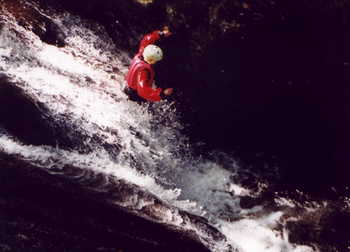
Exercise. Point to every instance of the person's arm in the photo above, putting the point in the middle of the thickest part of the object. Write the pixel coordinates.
(153, 37)
(145, 89)
(149, 39)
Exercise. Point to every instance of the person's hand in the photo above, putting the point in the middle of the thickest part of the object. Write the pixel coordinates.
(166, 32)
(168, 91)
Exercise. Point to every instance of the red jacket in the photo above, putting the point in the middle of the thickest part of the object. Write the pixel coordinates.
(141, 74)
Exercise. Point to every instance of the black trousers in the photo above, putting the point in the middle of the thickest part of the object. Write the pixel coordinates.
(132, 94)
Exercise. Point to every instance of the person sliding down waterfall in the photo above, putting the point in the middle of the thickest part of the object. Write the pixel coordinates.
(140, 77)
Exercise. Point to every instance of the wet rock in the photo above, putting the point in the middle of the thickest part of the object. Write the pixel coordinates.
(30, 121)
(336, 227)
(328, 227)
(22, 116)
(45, 209)
(50, 33)
(250, 202)
(31, 19)
(5, 247)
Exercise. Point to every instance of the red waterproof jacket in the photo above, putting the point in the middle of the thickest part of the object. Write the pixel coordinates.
(141, 74)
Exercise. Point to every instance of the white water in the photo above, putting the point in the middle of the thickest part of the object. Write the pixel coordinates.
(76, 81)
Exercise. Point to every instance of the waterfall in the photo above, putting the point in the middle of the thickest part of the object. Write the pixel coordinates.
(96, 131)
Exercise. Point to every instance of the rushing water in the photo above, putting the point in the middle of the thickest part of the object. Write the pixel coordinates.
(139, 143)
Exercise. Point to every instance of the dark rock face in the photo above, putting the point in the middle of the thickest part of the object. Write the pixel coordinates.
(32, 19)
(45, 213)
(328, 228)
(22, 116)
(51, 33)
(31, 122)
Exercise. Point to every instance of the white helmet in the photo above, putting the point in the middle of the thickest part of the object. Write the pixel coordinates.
(152, 53)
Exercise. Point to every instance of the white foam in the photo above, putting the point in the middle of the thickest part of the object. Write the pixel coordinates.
(258, 235)
(239, 190)
(281, 201)
(66, 62)
(97, 161)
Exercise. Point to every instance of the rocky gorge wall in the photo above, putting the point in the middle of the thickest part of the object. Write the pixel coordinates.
(263, 80)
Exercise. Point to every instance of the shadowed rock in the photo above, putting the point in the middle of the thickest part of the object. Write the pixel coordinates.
(50, 32)
(31, 19)
(86, 214)
(22, 116)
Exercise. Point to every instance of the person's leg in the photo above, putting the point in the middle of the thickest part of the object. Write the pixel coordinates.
(132, 94)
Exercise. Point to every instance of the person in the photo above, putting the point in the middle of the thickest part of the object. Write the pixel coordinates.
(140, 77)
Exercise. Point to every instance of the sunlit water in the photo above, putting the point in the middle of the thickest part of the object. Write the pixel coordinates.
(78, 83)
